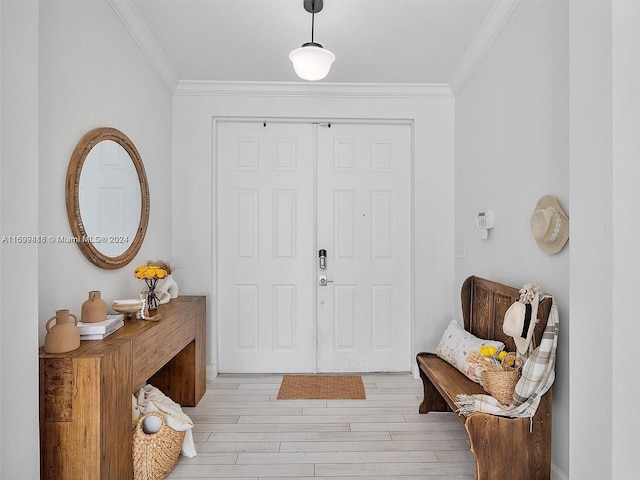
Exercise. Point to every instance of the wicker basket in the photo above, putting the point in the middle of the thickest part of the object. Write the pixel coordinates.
(155, 454)
(500, 384)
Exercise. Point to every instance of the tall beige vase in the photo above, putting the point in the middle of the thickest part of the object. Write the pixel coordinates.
(94, 309)
(64, 336)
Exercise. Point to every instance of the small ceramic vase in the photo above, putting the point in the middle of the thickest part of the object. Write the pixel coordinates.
(94, 309)
(64, 336)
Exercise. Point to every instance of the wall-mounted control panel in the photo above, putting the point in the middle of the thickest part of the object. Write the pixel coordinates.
(484, 221)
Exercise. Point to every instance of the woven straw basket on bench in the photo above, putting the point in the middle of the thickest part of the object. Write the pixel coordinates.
(500, 384)
(155, 454)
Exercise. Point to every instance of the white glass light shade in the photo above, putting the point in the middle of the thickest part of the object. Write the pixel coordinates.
(311, 62)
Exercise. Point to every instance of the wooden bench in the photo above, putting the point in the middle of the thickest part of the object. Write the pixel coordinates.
(509, 448)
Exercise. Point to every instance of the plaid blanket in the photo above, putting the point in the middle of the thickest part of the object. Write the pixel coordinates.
(538, 374)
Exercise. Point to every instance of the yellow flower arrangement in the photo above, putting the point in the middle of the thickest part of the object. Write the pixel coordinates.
(486, 351)
(488, 358)
(150, 274)
(500, 371)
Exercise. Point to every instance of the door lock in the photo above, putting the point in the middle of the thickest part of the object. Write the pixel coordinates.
(322, 259)
(322, 280)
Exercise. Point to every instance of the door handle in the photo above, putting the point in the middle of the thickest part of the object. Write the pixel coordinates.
(322, 280)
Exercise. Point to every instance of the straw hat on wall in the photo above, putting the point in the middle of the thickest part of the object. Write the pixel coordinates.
(549, 225)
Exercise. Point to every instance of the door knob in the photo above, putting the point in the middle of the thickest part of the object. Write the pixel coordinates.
(322, 280)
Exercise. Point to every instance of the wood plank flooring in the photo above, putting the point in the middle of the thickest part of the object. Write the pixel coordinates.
(243, 432)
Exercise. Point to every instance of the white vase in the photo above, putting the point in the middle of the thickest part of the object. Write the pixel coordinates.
(170, 285)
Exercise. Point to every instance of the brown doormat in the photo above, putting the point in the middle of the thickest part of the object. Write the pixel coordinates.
(321, 387)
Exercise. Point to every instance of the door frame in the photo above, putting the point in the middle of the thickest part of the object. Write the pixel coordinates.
(320, 121)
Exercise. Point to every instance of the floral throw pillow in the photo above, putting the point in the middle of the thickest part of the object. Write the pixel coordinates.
(455, 346)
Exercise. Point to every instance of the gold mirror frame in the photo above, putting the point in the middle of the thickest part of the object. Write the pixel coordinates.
(80, 153)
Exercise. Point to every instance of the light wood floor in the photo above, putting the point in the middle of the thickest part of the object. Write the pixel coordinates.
(243, 432)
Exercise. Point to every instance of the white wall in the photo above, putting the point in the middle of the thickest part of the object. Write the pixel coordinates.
(93, 74)
(605, 173)
(626, 226)
(67, 67)
(194, 177)
(511, 149)
(591, 265)
(18, 262)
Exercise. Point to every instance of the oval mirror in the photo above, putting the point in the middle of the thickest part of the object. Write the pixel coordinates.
(107, 197)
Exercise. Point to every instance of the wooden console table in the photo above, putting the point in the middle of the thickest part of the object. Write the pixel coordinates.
(85, 395)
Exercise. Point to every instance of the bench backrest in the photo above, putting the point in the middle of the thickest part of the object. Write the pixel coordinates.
(484, 304)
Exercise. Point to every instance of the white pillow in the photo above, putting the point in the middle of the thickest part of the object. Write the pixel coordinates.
(455, 346)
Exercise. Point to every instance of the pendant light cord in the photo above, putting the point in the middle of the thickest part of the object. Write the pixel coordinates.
(313, 17)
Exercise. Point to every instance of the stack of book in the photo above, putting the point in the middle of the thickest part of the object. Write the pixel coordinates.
(100, 330)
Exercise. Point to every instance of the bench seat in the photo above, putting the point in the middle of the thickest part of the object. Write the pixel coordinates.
(447, 380)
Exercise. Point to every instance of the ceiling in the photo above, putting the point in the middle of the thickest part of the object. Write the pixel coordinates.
(375, 41)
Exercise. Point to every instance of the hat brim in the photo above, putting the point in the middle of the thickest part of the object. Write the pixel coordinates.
(551, 248)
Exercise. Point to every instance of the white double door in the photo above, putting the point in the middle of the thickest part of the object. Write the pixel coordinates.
(286, 191)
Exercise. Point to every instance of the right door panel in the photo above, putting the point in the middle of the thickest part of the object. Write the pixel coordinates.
(364, 222)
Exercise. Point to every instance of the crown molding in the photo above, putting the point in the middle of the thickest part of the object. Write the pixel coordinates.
(134, 23)
(497, 17)
(303, 89)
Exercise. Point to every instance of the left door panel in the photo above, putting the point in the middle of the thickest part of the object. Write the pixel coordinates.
(266, 242)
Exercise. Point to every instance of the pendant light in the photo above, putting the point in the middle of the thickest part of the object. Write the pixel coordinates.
(311, 61)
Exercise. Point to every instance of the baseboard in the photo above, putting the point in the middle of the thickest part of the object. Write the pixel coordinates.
(414, 371)
(557, 474)
(212, 372)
